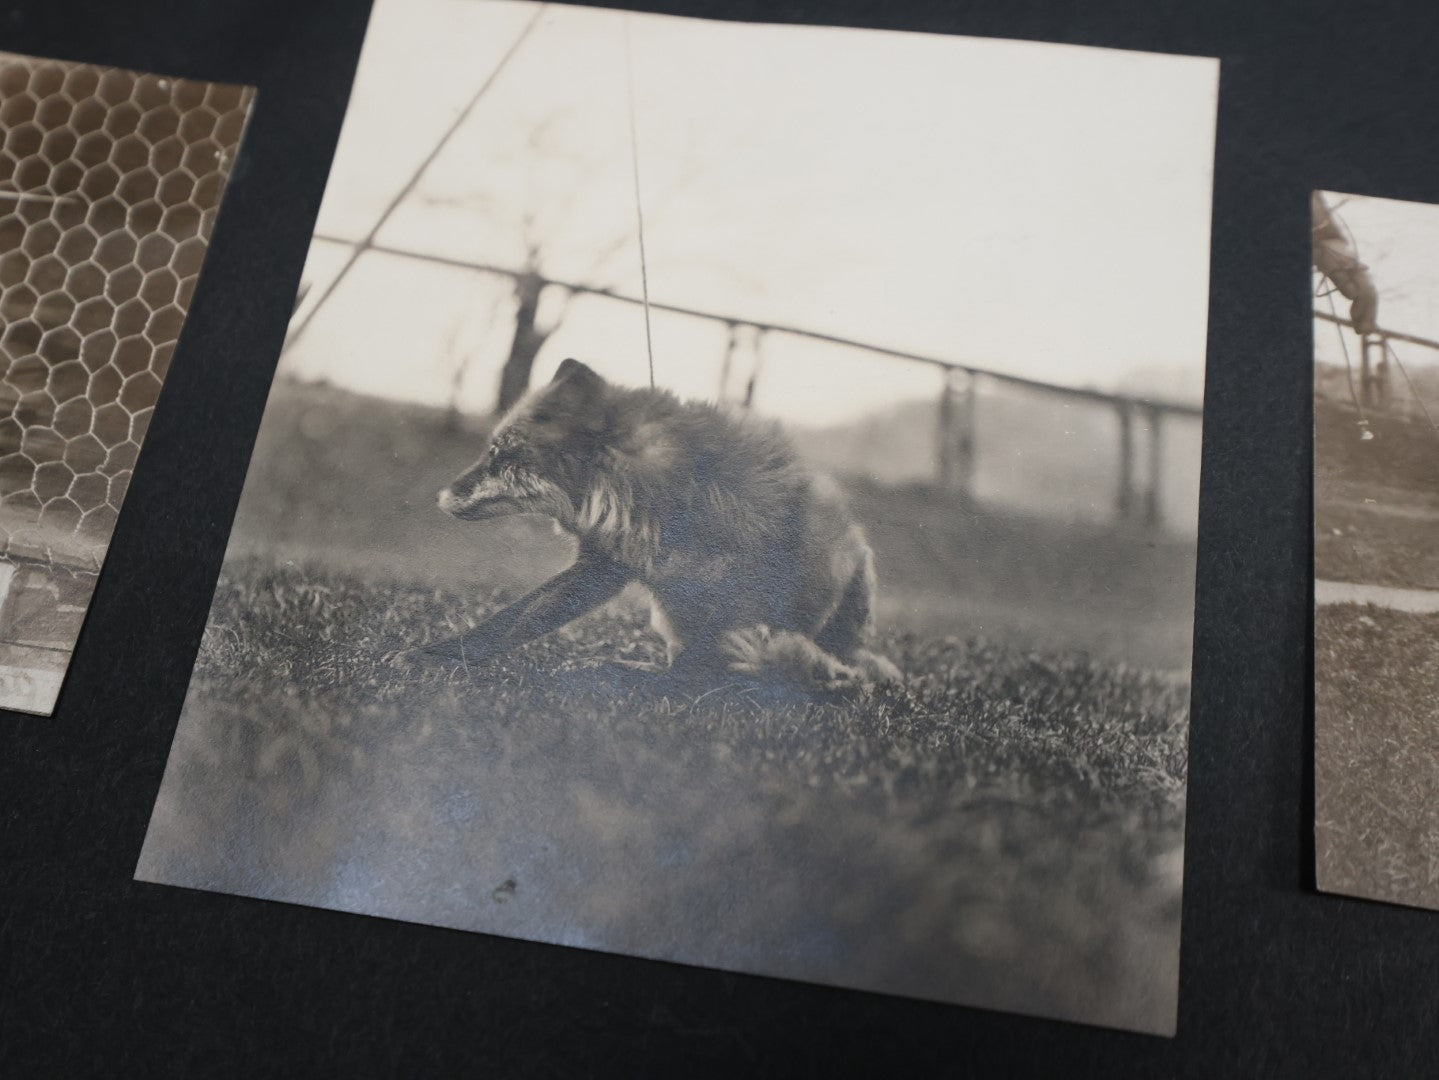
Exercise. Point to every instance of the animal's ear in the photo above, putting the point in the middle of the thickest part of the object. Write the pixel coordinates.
(577, 381)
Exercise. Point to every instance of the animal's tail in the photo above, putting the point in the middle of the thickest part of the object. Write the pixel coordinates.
(760, 651)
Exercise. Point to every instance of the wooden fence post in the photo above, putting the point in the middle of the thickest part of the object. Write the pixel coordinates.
(955, 432)
(1152, 507)
(728, 362)
(943, 431)
(967, 435)
(1366, 374)
(754, 374)
(1124, 498)
(1381, 372)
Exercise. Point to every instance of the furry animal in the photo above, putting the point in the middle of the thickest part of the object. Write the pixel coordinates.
(752, 563)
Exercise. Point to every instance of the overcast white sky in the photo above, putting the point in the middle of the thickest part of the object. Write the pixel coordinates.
(1039, 209)
(1397, 240)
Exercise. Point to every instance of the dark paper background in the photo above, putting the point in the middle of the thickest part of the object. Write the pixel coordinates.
(100, 974)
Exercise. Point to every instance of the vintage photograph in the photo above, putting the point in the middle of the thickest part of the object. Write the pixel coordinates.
(729, 496)
(110, 181)
(1376, 563)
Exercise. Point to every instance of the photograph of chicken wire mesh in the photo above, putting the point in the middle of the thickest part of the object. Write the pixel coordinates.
(729, 495)
(110, 182)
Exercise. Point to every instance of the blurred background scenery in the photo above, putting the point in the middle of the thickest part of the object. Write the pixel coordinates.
(936, 262)
(1376, 563)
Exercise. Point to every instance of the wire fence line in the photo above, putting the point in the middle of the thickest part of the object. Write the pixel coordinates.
(1077, 392)
(1138, 495)
(358, 249)
(1139, 422)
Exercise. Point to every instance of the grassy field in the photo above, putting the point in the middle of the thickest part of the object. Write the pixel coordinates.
(1005, 830)
(1376, 758)
(355, 479)
(1376, 501)
(1388, 540)
(1376, 672)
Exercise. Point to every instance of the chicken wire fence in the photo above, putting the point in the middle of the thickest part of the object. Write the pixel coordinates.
(109, 185)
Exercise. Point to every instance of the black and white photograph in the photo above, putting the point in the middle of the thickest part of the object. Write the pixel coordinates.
(110, 181)
(1376, 566)
(729, 496)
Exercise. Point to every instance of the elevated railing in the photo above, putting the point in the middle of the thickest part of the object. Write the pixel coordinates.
(1139, 422)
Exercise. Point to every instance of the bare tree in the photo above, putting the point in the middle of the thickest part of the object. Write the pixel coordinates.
(533, 327)
(529, 337)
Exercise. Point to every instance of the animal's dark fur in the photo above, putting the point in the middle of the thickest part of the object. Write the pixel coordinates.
(752, 561)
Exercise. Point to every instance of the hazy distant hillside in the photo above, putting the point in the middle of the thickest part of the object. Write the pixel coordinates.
(1039, 453)
(350, 480)
(1034, 453)
(1182, 384)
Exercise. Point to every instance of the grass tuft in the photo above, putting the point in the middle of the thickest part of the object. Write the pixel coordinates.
(1376, 753)
(1004, 829)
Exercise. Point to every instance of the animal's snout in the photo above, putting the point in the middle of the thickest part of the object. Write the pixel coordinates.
(455, 497)
(478, 495)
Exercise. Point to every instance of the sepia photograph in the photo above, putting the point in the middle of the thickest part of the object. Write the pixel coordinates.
(110, 181)
(729, 496)
(1376, 566)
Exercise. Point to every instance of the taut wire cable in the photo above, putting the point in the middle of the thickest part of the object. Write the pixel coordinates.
(639, 203)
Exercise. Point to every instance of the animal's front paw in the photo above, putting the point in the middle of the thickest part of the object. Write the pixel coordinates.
(648, 667)
(451, 652)
(841, 681)
(441, 650)
(876, 668)
(394, 652)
